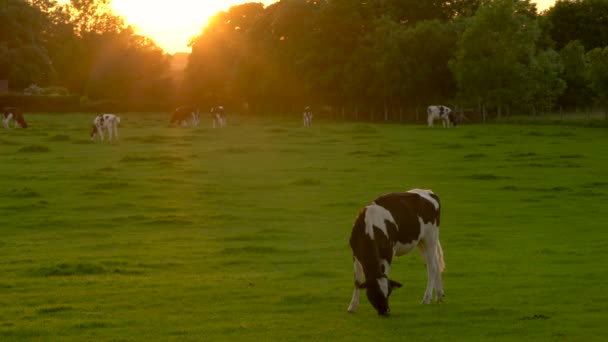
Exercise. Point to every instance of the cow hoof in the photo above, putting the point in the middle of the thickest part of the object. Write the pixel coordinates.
(440, 298)
(385, 314)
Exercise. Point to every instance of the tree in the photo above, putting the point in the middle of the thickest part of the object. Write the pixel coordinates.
(542, 84)
(217, 52)
(494, 52)
(582, 20)
(577, 92)
(23, 58)
(428, 47)
(597, 73)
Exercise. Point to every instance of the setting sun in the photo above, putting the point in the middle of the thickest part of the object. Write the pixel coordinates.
(171, 23)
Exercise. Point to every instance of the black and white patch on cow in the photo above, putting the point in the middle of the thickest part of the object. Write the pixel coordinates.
(13, 114)
(107, 122)
(218, 117)
(445, 114)
(392, 225)
(185, 115)
(307, 117)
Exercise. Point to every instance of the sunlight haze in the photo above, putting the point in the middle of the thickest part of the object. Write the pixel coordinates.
(171, 24)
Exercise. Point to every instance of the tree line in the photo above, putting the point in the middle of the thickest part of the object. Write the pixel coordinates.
(377, 59)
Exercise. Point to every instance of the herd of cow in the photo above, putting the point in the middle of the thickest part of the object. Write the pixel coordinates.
(190, 115)
(392, 225)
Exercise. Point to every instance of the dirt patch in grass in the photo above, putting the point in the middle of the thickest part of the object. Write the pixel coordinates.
(24, 192)
(159, 159)
(69, 269)
(81, 269)
(475, 155)
(7, 142)
(169, 220)
(486, 176)
(251, 250)
(53, 309)
(59, 137)
(34, 149)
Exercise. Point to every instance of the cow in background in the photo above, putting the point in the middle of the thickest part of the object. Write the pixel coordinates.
(307, 117)
(392, 225)
(185, 115)
(448, 118)
(218, 117)
(108, 122)
(16, 115)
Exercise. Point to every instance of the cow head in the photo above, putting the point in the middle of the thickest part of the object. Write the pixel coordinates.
(94, 132)
(378, 291)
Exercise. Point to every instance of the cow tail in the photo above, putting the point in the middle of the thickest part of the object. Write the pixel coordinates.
(440, 262)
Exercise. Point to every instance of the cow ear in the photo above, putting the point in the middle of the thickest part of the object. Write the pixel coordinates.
(395, 284)
(361, 286)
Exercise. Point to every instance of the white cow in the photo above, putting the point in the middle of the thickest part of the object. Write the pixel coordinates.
(108, 122)
(218, 116)
(392, 225)
(441, 112)
(307, 117)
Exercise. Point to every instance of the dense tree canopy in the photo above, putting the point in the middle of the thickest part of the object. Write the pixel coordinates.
(83, 46)
(382, 56)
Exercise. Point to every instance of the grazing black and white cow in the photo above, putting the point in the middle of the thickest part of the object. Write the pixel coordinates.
(16, 115)
(108, 122)
(218, 116)
(307, 117)
(448, 118)
(185, 115)
(392, 225)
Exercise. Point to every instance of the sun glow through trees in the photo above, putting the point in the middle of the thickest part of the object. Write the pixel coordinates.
(171, 23)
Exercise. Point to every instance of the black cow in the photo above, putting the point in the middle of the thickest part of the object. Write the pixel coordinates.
(15, 114)
(185, 115)
(392, 225)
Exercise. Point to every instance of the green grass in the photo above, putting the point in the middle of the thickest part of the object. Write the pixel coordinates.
(242, 233)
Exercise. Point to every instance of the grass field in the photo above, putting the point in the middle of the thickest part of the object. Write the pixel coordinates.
(241, 234)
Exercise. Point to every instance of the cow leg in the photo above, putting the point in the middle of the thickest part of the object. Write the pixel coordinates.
(440, 265)
(430, 120)
(116, 131)
(359, 279)
(100, 132)
(428, 249)
(7, 120)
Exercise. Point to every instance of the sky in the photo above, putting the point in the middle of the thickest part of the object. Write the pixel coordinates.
(172, 23)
